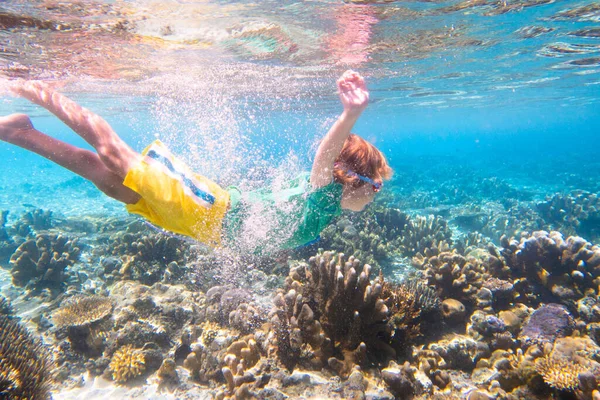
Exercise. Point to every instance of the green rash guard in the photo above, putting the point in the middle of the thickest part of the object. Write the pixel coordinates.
(268, 220)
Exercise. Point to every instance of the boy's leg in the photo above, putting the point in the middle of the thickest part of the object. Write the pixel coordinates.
(112, 150)
(18, 130)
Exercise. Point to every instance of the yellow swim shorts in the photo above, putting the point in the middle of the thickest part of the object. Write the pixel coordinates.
(175, 198)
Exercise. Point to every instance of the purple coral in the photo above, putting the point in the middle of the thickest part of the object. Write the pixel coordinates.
(546, 324)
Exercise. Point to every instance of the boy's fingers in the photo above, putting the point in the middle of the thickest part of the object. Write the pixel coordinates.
(360, 82)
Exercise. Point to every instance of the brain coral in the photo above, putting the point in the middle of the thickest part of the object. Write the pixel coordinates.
(127, 363)
(25, 368)
(82, 310)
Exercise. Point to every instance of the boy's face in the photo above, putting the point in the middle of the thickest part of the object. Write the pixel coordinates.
(356, 199)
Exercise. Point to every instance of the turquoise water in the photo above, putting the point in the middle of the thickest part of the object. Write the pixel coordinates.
(486, 110)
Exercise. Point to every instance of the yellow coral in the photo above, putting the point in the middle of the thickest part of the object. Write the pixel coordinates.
(559, 373)
(127, 363)
(82, 310)
(210, 331)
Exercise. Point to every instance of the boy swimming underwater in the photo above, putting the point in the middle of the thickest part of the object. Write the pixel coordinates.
(346, 174)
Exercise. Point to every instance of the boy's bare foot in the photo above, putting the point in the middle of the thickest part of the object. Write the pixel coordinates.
(13, 125)
(37, 92)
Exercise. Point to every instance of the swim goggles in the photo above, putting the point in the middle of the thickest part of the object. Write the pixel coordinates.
(376, 185)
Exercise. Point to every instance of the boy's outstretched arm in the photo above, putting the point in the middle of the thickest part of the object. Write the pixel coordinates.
(354, 97)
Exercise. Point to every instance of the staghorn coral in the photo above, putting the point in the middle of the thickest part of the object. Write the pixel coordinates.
(559, 373)
(127, 363)
(25, 367)
(331, 313)
(82, 310)
(41, 262)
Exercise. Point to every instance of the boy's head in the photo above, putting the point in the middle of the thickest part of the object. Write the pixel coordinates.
(361, 168)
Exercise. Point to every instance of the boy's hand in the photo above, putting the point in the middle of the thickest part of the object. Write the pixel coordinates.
(353, 92)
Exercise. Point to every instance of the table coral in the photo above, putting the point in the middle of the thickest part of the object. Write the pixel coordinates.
(82, 310)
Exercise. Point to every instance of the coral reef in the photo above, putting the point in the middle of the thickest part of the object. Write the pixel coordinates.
(576, 213)
(424, 232)
(25, 367)
(559, 373)
(454, 275)
(546, 268)
(332, 307)
(546, 324)
(372, 236)
(41, 262)
(127, 363)
(7, 244)
(82, 310)
(148, 258)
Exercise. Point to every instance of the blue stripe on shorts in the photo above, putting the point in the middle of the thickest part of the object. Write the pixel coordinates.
(209, 198)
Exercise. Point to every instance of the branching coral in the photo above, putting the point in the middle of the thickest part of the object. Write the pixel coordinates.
(333, 308)
(547, 268)
(25, 368)
(42, 261)
(408, 304)
(241, 356)
(127, 363)
(559, 373)
(577, 213)
(372, 236)
(424, 232)
(7, 244)
(148, 255)
(82, 310)
(454, 275)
